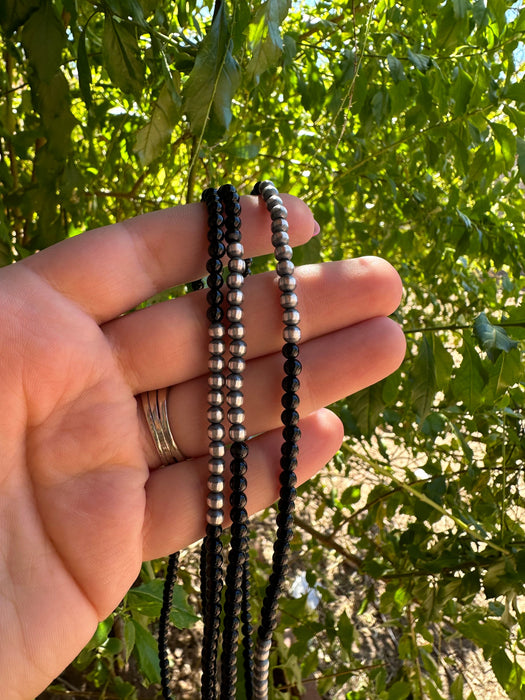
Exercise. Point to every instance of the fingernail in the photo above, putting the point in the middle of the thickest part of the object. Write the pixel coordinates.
(317, 228)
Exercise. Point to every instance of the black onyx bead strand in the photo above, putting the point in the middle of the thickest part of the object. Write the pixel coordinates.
(211, 586)
(167, 598)
(290, 432)
(238, 552)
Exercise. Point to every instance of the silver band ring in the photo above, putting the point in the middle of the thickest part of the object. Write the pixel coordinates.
(155, 405)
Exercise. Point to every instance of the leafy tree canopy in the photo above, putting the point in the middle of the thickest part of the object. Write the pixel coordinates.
(402, 125)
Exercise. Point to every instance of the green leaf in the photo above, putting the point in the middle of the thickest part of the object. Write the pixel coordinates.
(395, 66)
(147, 600)
(365, 407)
(502, 667)
(345, 632)
(461, 91)
(520, 149)
(155, 135)
(420, 61)
(213, 81)
(266, 37)
(129, 637)
(507, 142)
(122, 57)
(146, 652)
(424, 384)
(493, 339)
(469, 380)
(505, 372)
(45, 55)
(399, 691)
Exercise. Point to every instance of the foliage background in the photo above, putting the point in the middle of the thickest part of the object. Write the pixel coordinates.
(402, 126)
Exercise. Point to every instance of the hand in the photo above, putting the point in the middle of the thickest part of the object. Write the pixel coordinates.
(81, 501)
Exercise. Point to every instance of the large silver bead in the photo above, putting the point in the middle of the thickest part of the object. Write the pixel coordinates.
(287, 283)
(285, 267)
(291, 317)
(292, 334)
(216, 431)
(215, 517)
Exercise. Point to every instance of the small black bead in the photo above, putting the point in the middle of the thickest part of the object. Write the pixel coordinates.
(292, 367)
(234, 236)
(284, 520)
(285, 534)
(239, 515)
(289, 463)
(238, 500)
(289, 398)
(285, 506)
(238, 483)
(214, 279)
(226, 191)
(280, 552)
(214, 314)
(216, 249)
(288, 492)
(239, 449)
(290, 350)
(212, 531)
(214, 297)
(289, 417)
(288, 478)
(214, 265)
(215, 234)
(238, 467)
(291, 433)
(290, 384)
(239, 530)
(289, 449)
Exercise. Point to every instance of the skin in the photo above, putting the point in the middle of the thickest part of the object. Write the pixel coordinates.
(82, 501)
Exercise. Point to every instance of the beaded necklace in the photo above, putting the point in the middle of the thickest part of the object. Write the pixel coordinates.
(224, 239)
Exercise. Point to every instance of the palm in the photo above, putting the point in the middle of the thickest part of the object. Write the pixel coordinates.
(76, 497)
(81, 501)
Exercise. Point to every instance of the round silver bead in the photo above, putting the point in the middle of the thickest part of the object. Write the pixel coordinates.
(235, 250)
(216, 483)
(215, 397)
(283, 252)
(287, 283)
(217, 450)
(238, 348)
(216, 330)
(291, 317)
(289, 300)
(216, 363)
(267, 189)
(279, 212)
(216, 380)
(215, 414)
(235, 297)
(237, 433)
(234, 314)
(217, 346)
(215, 517)
(234, 381)
(280, 225)
(216, 465)
(216, 431)
(273, 201)
(236, 415)
(292, 334)
(235, 280)
(236, 265)
(285, 267)
(215, 500)
(236, 365)
(280, 238)
(236, 331)
(235, 398)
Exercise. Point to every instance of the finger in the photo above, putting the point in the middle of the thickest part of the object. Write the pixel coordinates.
(334, 366)
(176, 496)
(331, 296)
(110, 270)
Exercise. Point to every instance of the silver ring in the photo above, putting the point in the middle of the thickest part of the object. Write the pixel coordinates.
(155, 405)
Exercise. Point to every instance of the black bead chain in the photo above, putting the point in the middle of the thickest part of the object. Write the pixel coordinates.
(211, 587)
(239, 541)
(290, 433)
